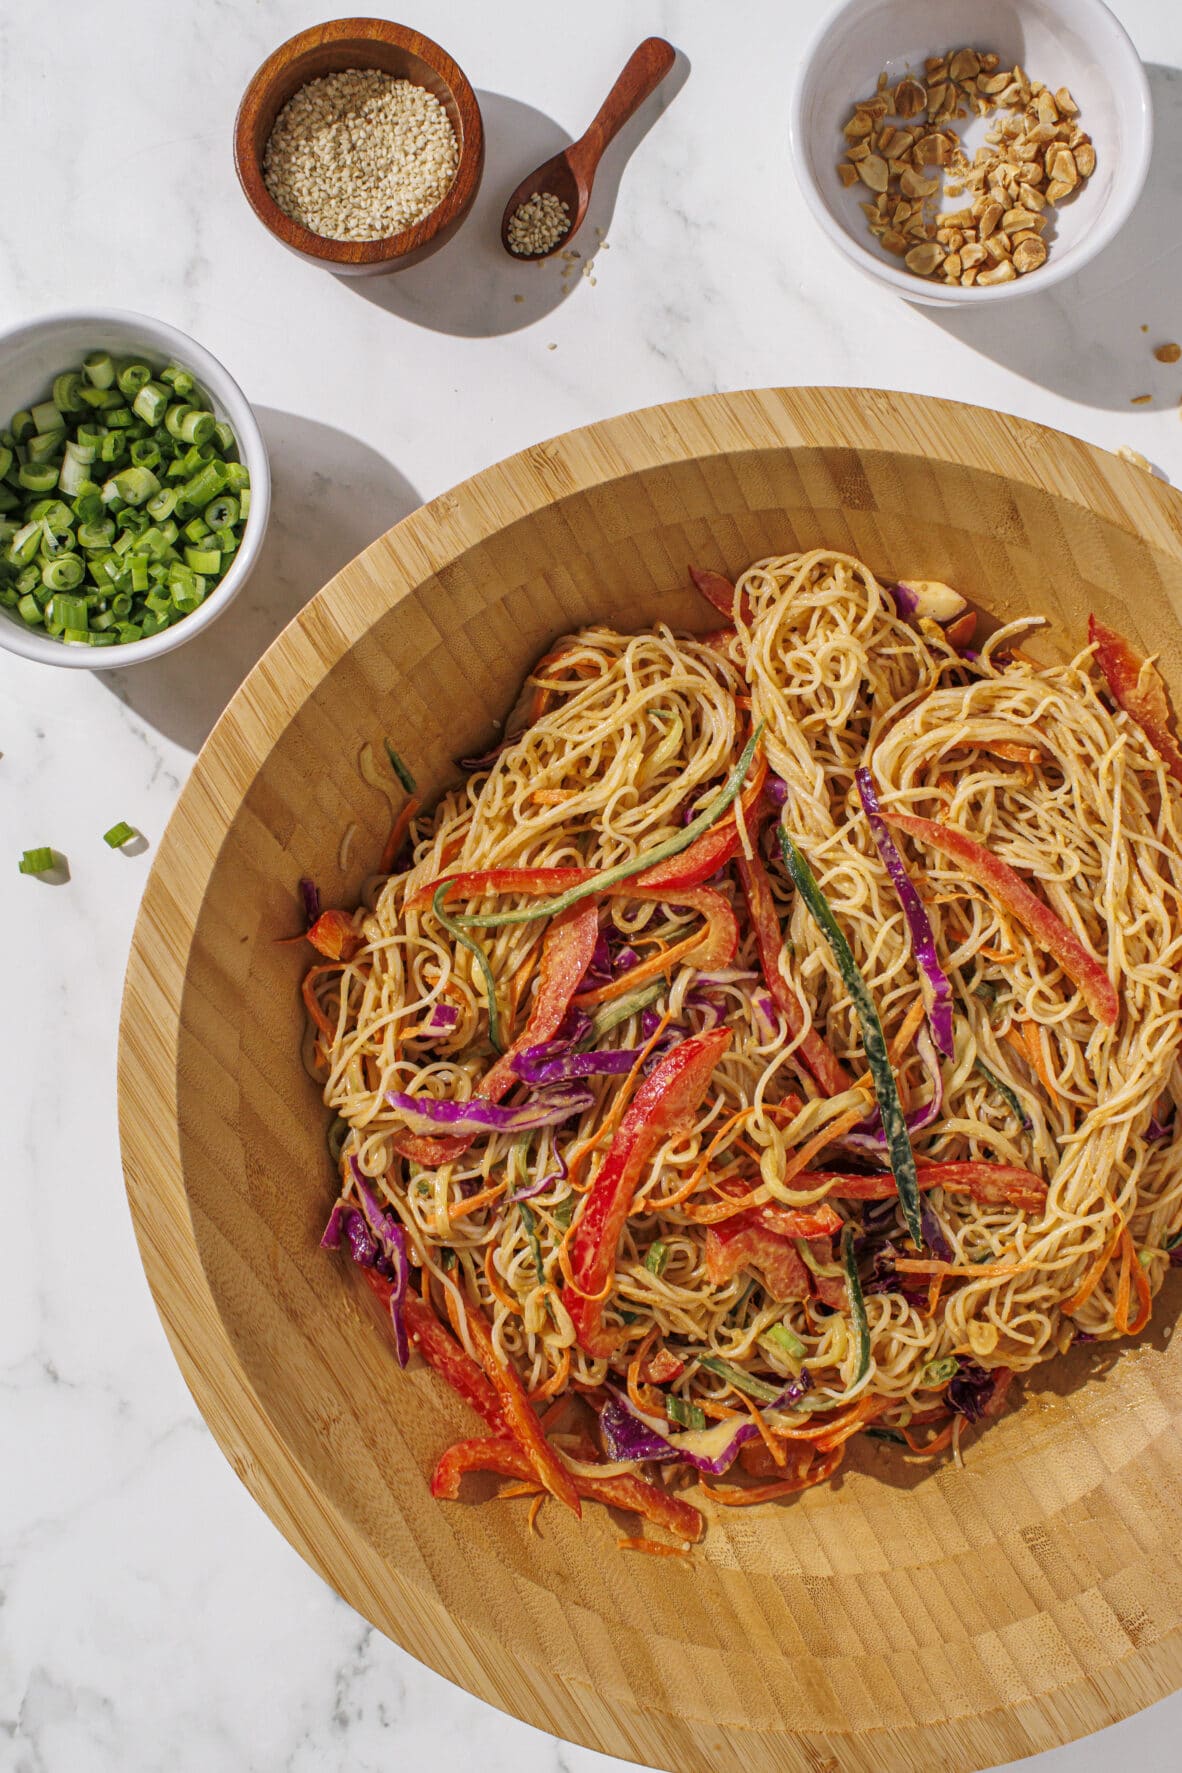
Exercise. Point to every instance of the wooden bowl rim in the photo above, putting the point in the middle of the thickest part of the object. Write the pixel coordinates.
(449, 209)
(1037, 458)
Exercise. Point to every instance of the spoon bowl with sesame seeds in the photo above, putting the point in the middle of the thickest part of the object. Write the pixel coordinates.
(549, 206)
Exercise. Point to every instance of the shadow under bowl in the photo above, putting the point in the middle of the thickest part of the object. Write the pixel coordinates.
(336, 48)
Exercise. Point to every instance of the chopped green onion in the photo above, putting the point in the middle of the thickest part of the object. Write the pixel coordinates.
(63, 574)
(151, 403)
(894, 1124)
(658, 1256)
(67, 614)
(44, 448)
(179, 379)
(535, 1243)
(119, 834)
(38, 476)
(66, 391)
(29, 610)
(607, 877)
(853, 1283)
(481, 959)
(98, 369)
(1009, 1097)
(37, 861)
(45, 417)
(203, 560)
(787, 1341)
(21, 426)
(399, 768)
(939, 1372)
(684, 1414)
(741, 1381)
(131, 378)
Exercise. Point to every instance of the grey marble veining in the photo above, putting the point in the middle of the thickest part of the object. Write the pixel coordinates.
(150, 1615)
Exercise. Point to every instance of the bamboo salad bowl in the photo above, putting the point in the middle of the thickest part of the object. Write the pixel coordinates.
(902, 1617)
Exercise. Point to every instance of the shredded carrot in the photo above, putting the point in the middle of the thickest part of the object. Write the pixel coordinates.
(732, 1496)
(653, 1549)
(769, 1440)
(799, 1160)
(1033, 1042)
(535, 1508)
(908, 1030)
(483, 1199)
(498, 1292)
(556, 1383)
(961, 1270)
(934, 1446)
(397, 837)
(327, 1028)
(1131, 1274)
(1002, 957)
(519, 1487)
(520, 979)
(1094, 1274)
(653, 1401)
(867, 1409)
(672, 1200)
(934, 1286)
(655, 967)
(554, 796)
(1030, 755)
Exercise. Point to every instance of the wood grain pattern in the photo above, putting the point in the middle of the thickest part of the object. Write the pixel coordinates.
(570, 175)
(899, 1619)
(332, 49)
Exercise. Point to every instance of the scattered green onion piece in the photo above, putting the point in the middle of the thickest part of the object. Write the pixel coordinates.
(481, 959)
(38, 861)
(63, 574)
(787, 1341)
(939, 1372)
(684, 1414)
(601, 880)
(119, 834)
(657, 1258)
(399, 768)
(1009, 1097)
(759, 1389)
(894, 1125)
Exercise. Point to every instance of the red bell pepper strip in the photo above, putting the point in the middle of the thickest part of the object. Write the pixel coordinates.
(1136, 686)
(991, 1184)
(441, 1350)
(523, 1424)
(669, 1097)
(813, 1050)
(662, 1367)
(335, 936)
(742, 1242)
(716, 847)
(567, 948)
(632, 1494)
(999, 879)
(720, 592)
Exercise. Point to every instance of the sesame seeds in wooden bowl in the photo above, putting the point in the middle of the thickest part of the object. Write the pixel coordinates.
(359, 145)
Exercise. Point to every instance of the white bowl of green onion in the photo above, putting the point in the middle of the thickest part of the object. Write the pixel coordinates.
(134, 489)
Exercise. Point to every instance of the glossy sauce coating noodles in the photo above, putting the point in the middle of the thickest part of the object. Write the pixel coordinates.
(728, 1296)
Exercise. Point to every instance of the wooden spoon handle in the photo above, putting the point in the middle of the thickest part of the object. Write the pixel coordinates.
(643, 72)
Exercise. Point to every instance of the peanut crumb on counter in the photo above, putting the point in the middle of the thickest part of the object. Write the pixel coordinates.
(1140, 399)
(1168, 353)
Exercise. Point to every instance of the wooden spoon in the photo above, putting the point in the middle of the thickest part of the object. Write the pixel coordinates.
(571, 174)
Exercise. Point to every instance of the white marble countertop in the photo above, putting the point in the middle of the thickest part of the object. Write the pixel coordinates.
(150, 1615)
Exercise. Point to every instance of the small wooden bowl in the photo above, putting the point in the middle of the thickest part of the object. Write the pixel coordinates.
(333, 48)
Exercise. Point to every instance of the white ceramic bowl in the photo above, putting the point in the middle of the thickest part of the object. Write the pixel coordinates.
(30, 356)
(1072, 43)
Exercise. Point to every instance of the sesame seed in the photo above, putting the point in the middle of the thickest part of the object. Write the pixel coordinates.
(538, 224)
(360, 155)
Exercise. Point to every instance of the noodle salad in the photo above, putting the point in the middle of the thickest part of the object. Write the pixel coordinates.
(775, 1040)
